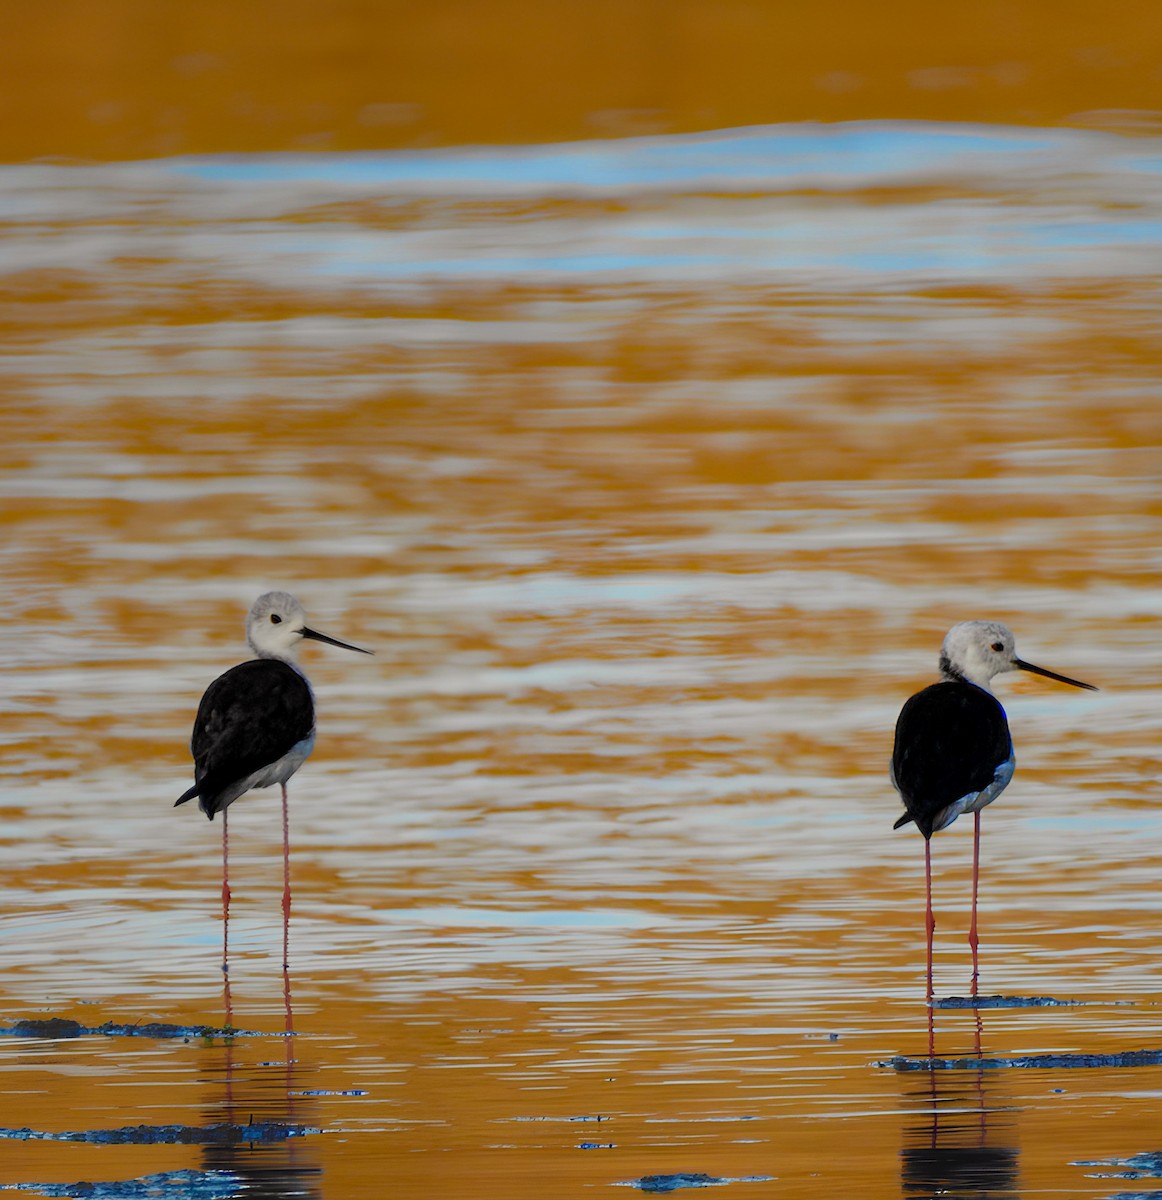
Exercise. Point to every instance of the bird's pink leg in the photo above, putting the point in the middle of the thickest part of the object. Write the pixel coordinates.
(229, 1017)
(225, 896)
(288, 1008)
(929, 919)
(286, 889)
(973, 938)
(930, 927)
(286, 906)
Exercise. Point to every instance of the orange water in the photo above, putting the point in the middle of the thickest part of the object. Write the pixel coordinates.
(121, 79)
(653, 471)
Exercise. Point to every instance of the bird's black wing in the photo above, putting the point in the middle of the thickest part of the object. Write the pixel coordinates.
(950, 739)
(249, 718)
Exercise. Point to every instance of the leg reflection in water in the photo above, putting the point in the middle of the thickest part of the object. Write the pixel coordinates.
(962, 1140)
(256, 1100)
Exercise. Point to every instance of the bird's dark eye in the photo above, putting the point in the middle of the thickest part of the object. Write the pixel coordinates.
(275, 619)
(998, 646)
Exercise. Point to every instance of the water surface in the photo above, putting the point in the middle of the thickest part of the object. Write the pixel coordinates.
(653, 471)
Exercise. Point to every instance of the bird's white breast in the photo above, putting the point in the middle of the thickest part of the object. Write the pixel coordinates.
(975, 801)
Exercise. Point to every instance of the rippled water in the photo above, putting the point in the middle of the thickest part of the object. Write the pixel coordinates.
(654, 472)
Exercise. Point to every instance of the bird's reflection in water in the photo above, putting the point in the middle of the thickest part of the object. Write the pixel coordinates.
(256, 1090)
(961, 1141)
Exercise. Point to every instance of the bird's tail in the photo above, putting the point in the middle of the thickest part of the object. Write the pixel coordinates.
(186, 796)
(898, 825)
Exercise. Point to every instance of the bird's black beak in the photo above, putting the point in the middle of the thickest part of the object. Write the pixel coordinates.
(322, 637)
(1034, 670)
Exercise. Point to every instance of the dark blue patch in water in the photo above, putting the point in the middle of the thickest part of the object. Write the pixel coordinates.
(329, 1092)
(1005, 1002)
(1129, 1058)
(671, 1183)
(59, 1027)
(169, 1185)
(1147, 1165)
(201, 1135)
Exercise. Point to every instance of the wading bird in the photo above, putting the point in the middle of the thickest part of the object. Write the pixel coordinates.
(255, 727)
(953, 753)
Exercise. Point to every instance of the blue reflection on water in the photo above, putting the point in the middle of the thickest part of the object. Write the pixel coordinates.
(851, 152)
(781, 200)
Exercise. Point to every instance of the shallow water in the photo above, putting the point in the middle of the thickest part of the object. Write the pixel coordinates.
(654, 472)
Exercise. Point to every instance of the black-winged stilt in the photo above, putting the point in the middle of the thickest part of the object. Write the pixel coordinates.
(255, 727)
(953, 753)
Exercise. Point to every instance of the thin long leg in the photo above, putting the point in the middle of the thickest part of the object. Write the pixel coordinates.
(286, 888)
(286, 907)
(288, 1009)
(229, 1017)
(225, 896)
(227, 1004)
(973, 937)
(929, 919)
(289, 1055)
(930, 927)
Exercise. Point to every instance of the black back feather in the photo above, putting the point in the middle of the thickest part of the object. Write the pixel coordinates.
(950, 739)
(249, 718)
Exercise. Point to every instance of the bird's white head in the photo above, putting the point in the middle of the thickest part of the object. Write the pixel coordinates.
(278, 622)
(275, 625)
(979, 650)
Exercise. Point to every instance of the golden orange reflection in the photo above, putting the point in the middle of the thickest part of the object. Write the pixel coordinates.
(593, 866)
(127, 80)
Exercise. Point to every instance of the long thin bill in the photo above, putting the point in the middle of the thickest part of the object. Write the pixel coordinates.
(1034, 670)
(322, 637)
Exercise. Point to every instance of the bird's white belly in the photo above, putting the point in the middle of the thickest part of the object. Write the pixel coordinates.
(975, 801)
(278, 771)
